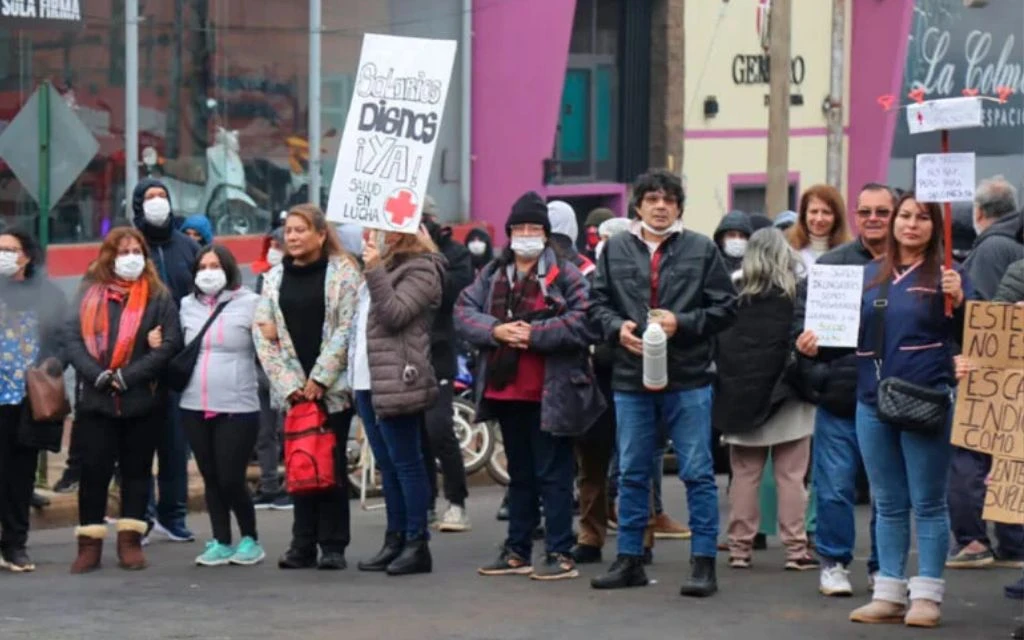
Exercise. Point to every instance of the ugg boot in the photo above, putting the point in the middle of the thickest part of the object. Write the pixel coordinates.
(925, 598)
(90, 547)
(129, 544)
(889, 605)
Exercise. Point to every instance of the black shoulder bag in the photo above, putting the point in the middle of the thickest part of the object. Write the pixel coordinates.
(901, 404)
(179, 370)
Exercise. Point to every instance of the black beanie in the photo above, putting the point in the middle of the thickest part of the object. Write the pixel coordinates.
(530, 208)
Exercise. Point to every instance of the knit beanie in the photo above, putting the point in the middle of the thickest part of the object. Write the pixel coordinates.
(529, 209)
(597, 216)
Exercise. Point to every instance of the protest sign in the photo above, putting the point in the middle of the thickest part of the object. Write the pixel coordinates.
(1004, 499)
(948, 113)
(944, 177)
(387, 148)
(989, 415)
(833, 304)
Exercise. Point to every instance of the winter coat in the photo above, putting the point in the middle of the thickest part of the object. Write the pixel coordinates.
(173, 253)
(830, 379)
(479, 262)
(733, 221)
(143, 374)
(754, 358)
(458, 275)
(279, 359)
(692, 283)
(404, 295)
(225, 378)
(201, 225)
(572, 401)
(1011, 289)
(994, 250)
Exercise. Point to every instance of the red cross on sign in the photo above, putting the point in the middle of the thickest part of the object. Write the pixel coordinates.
(400, 207)
(920, 118)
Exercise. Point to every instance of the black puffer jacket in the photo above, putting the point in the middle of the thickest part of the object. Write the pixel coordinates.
(458, 275)
(144, 372)
(753, 358)
(693, 284)
(1011, 289)
(830, 379)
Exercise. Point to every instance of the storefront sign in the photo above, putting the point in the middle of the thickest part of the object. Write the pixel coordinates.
(756, 69)
(41, 14)
(391, 131)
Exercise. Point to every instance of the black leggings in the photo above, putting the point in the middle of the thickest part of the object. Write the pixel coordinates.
(223, 445)
(104, 441)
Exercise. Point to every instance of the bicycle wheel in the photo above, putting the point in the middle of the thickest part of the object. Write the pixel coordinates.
(497, 464)
(474, 438)
(356, 452)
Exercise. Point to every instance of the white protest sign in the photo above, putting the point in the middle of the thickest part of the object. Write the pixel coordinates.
(944, 177)
(833, 304)
(949, 113)
(391, 131)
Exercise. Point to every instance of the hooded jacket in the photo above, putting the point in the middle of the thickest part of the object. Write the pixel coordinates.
(174, 253)
(733, 221)
(1003, 244)
(458, 274)
(201, 225)
(480, 261)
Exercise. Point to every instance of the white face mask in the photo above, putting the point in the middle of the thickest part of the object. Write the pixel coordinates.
(211, 281)
(156, 211)
(274, 256)
(661, 233)
(129, 267)
(735, 247)
(527, 247)
(477, 247)
(9, 263)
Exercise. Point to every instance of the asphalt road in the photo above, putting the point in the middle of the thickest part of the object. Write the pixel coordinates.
(174, 599)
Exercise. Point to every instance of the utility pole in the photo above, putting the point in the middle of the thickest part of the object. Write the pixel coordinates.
(131, 99)
(834, 112)
(777, 189)
(315, 27)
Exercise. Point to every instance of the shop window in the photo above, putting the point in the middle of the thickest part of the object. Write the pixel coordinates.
(751, 198)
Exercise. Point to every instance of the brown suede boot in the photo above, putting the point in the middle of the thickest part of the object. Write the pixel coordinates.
(129, 544)
(90, 548)
(888, 606)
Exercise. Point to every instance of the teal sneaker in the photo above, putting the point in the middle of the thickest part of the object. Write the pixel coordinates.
(248, 552)
(215, 555)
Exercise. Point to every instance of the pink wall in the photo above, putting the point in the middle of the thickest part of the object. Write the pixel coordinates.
(878, 52)
(520, 52)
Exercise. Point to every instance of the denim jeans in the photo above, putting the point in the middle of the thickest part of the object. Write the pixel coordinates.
(966, 501)
(836, 462)
(686, 416)
(171, 506)
(659, 474)
(540, 466)
(908, 472)
(398, 451)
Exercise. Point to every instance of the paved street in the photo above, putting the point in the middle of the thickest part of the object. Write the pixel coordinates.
(174, 599)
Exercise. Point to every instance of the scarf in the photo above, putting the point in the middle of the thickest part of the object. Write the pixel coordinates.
(95, 319)
(510, 302)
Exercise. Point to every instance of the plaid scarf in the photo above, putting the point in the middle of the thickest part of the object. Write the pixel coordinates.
(510, 302)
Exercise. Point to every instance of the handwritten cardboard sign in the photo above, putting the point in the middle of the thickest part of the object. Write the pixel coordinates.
(989, 414)
(833, 304)
(944, 177)
(1004, 499)
(391, 131)
(948, 113)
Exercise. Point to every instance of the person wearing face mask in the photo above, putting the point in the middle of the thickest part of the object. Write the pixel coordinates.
(173, 255)
(221, 412)
(592, 226)
(120, 392)
(526, 312)
(731, 236)
(480, 247)
(198, 228)
(32, 315)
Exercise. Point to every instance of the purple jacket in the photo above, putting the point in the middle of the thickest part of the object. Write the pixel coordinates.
(571, 402)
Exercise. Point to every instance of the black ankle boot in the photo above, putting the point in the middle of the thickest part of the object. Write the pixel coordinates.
(703, 581)
(393, 543)
(415, 558)
(626, 571)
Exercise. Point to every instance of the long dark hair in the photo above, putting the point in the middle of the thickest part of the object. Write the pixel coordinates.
(29, 247)
(931, 268)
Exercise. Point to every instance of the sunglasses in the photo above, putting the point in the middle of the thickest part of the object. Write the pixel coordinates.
(881, 213)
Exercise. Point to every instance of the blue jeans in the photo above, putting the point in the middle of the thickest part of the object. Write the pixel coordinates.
(836, 462)
(398, 452)
(908, 472)
(686, 415)
(171, 506)
(659, 473)
(540, 466)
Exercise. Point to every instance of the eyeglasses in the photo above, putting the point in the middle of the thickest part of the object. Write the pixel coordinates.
(880, 212)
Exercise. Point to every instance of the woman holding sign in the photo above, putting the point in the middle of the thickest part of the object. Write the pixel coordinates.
(904, 409)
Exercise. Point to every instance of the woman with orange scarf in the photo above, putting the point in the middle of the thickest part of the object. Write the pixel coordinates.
(124, 310)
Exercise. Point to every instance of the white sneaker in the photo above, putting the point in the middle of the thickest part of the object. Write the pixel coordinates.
(455, 519)
(835, 581)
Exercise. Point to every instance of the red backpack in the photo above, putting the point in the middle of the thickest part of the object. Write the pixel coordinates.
(309, 447)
